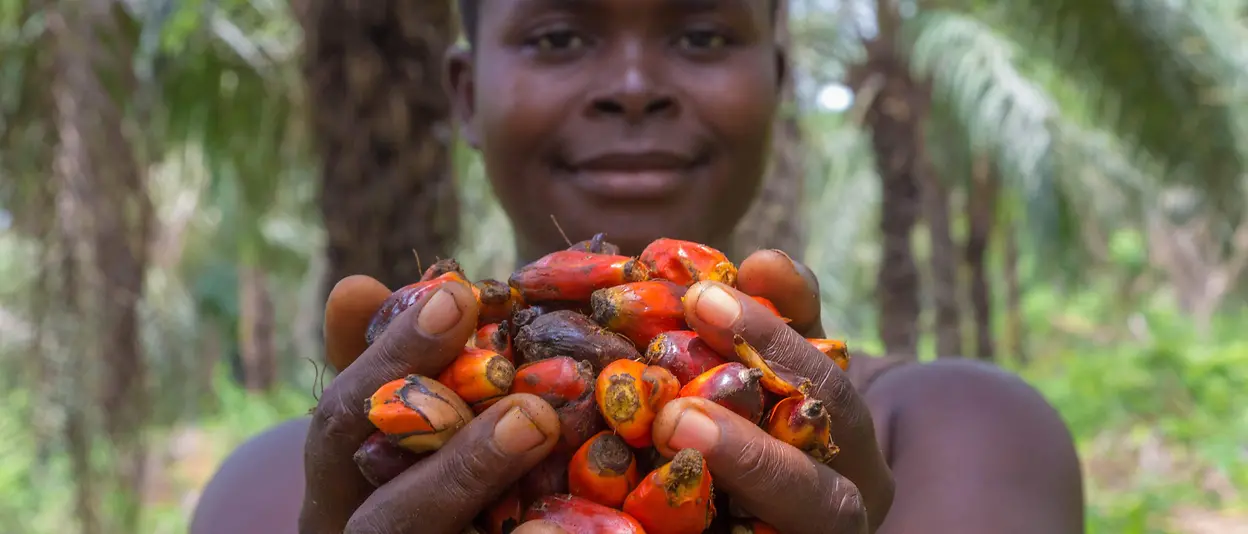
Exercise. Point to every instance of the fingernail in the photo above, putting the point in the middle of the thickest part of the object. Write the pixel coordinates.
(517, 433)
(717, 307)
(694, 430)
(440, 313)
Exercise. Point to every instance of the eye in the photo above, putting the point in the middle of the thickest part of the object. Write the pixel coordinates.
(702, 39)
(558, 40)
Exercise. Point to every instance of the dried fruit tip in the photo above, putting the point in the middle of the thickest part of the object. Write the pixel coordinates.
(603, 470)
(677, 498)
(804, 423)
(480, 377)
(630, 394)
(683, 353)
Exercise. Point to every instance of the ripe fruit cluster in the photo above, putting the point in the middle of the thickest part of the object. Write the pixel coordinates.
(601, 337)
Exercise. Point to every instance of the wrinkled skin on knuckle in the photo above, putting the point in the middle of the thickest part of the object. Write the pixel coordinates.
(468, 474)
(763, 472)
(333, 418)
(844, 501)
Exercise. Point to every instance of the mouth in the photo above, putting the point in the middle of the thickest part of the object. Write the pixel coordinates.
(635, 176)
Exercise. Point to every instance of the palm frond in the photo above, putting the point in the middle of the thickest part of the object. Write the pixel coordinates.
(1168, 77)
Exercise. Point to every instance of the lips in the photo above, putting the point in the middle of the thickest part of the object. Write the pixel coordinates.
(641, 175)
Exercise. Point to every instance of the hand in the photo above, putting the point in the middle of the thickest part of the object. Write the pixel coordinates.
(444, 491)
(766, 477)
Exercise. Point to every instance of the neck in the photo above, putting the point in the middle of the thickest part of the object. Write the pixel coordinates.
(528, 252)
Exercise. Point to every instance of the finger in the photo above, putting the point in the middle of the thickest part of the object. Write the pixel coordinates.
(348, 310)
(443, 493)
(788, 284)
(423, 339)
(717, 312)
(768, 478)
(539, 527)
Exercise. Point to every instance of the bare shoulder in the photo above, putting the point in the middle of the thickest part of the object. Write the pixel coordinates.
(974, 448)
(259, 486)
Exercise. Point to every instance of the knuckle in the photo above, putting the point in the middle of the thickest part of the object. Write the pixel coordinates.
(846, 504)
(334, 417)
(466, 475)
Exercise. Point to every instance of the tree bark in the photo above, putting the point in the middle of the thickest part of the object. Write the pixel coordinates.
(382, 121)
(894, 117)
(778, 218)
(104, 217)
(981, 207)
(943, 261)
(257, 331)
(1016, 341)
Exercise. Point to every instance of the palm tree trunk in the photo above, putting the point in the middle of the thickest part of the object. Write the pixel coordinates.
(981, 207)
(257, 341)
(373, 71)
(1016, 344)
(105, 217)
(943, 262)
(777, 218)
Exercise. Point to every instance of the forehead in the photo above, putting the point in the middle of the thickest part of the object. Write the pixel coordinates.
(492, 9)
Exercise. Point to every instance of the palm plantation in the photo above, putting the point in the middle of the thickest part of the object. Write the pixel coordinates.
(1058, 179)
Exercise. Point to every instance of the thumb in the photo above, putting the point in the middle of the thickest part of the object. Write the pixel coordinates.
(348, 310)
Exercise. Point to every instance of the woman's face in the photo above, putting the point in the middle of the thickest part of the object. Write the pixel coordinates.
(637, 118)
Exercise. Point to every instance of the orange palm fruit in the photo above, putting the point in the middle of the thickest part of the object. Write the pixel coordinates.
(776, 378)
(418, 413)
(677, 498)
(640, 310)
(596, 245)
(752, 526)
(495, 337)
(577, 515)
(497, 301)
(568, 275)
(380, 460)
(503, 515)
(479, 376)
(733, 386)
(804, 423)
(404, 298)
(683, 353)
(557, 380)
(686, 262)
(603, 470)
(835, 349)
(572, 334)
(630, 395)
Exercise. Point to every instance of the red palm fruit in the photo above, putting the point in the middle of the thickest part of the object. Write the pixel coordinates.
(640, 310)
(404, 298)
(752, 526)
(776, 377)
(686, 262)
(603, 470)
(771, 306)
(630, 395)
(569, 275)
(495, 337)
(557, 380)
(577, 515)
(479, 377)
(568, 333)
(683, 353)
(504, 515)
(804, 423)
(548, 477)
(380, 460)
(733, 386)
(677, 498)
(497, 301)
(418, 413)
(578, 421)
(596, 245)
(835, 349)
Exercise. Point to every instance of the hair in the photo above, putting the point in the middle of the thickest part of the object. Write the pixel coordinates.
(468, 15)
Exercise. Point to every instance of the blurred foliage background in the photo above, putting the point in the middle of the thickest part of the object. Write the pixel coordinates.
(1054, 185)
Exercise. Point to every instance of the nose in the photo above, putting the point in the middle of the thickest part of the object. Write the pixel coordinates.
(633, 87)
